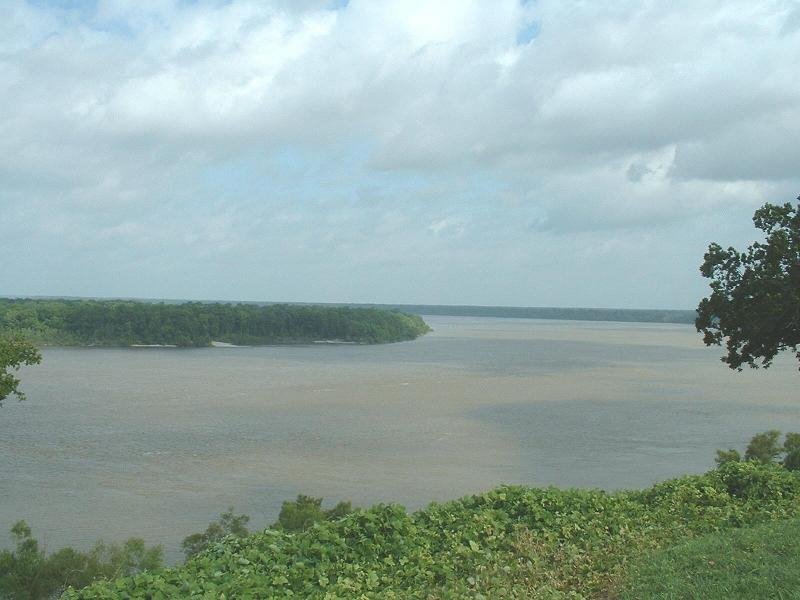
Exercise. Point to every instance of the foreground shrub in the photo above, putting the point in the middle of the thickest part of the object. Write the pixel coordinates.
(511, 542)
(227, 524)
(299, 515)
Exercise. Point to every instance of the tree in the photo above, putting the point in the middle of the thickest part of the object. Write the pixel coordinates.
(754, 304)
(21, 570)
(726, 456)
(791, 448)
(28, 573)
(15, 351)
(227, 524)
(301, 514)
(764, 447)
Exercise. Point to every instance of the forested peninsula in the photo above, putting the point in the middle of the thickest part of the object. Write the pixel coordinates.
(195, 324)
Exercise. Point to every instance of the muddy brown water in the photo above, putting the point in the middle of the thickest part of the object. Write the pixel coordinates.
(151, 442)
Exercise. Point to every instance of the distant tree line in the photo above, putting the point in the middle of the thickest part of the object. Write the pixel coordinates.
(126, 323)
(621, 315)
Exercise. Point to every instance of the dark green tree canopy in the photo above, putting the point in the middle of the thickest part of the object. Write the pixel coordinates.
(126, 323)
(227, 524)
(29, 573)
(15, 351)
(754, 306)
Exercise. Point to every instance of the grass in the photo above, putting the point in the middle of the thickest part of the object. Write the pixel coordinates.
(748, 563)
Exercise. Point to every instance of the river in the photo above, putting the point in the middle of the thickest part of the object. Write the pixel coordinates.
(155, 442)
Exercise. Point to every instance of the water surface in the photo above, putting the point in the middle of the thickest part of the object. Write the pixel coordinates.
(151, 442)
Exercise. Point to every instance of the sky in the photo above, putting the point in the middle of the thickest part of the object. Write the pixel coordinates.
(540, 153)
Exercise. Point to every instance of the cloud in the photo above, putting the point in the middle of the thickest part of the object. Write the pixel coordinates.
(756, 149)
(363, 134)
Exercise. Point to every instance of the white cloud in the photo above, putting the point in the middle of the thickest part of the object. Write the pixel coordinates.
(424, 125)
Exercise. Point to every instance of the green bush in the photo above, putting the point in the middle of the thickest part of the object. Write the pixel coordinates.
(227, 524)
(301, 514)
(511, 542)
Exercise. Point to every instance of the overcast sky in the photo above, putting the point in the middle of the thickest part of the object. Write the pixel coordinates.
(542, 153)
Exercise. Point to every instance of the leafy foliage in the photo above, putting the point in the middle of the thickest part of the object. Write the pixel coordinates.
(791, 449)
(27, 573)
(755, 295)
(725, 456)
(227, 524)
(511, 542)
(295, 516)
(301, 514)
(765, 448)
(125, 323)
(15, 351)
